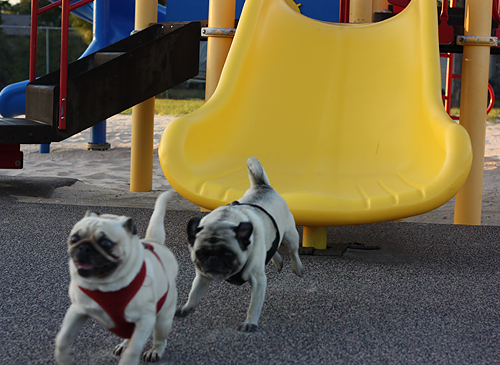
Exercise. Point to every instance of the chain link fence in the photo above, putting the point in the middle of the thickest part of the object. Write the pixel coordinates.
(15, 45)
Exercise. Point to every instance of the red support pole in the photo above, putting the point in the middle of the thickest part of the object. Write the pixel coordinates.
(33, 38)
(496, 13)
(450, 76)
(449, 81)
(63, 81)
(496, 16)
(344, 11)
(63, 88)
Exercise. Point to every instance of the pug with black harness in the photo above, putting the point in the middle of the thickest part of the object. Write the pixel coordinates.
(126, 284)
(235, 242)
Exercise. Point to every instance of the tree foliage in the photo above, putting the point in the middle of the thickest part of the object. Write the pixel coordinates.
(14, 57)
(50, 18)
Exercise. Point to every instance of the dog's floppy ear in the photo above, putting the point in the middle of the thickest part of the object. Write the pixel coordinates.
(192, 229)
(243, 233)
(129, 226)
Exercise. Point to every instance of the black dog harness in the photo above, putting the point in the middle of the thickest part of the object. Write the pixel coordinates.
(236, 278)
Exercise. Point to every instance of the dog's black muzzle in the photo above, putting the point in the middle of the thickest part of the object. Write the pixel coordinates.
(218, 262)
(92, 262)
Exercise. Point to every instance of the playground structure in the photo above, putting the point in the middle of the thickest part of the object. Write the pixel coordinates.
(62, 103)
(337, 161)
(113, 21)
(433, 150)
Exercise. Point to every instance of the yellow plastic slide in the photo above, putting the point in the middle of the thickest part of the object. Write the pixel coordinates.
(346, 119)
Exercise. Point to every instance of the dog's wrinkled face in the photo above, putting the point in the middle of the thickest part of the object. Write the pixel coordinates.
(219, 249)
(97, 245)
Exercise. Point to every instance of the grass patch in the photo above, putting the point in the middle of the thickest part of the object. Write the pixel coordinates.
(185, 106)
(492, 117)
(173, 106)
(183, 93)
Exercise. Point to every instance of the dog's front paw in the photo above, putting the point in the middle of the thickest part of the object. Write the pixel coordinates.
(248, 327)
(183, 312)
(64, 358)
(150, 356)
(154, 354)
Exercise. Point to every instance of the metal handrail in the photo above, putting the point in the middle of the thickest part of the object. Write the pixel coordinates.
(63, 81)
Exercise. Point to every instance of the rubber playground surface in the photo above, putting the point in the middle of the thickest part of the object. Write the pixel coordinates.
(429, 295)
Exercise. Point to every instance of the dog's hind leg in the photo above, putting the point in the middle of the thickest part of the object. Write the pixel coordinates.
(291, 241)
(277, 262)
(163, 327)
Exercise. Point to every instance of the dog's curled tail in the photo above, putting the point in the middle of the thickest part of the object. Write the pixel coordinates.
(156, 227)
(256, 172)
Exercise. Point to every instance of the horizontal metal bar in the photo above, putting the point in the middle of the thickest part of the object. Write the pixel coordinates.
(28, 27)
(58, 3)
(218, 32)
(472, 40)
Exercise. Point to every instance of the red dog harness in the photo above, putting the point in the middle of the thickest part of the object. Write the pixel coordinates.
(115, 302)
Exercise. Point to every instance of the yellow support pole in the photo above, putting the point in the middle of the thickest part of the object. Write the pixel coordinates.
(314, 237)
(474, 94)
(221, 14)
(360, 11)
(379, 5)
(376, 6)
(141, 164)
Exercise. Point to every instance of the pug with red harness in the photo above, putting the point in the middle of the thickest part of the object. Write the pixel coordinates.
(126, 284)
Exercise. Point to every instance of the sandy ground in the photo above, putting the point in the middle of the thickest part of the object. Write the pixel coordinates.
(104, 176)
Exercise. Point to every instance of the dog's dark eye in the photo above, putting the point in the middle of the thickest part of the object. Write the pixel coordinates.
(228, 254)
(74, 239)
(106, 244)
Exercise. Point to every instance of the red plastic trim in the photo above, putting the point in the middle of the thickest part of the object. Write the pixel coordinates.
(11, 156)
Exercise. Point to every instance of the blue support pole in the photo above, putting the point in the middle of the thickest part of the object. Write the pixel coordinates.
(102, 38)
(45, 148)
(98, 133)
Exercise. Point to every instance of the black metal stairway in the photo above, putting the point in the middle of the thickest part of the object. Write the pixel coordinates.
(105, 83)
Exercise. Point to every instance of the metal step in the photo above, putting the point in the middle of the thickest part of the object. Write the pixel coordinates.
(24, 131)
(117, 77)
